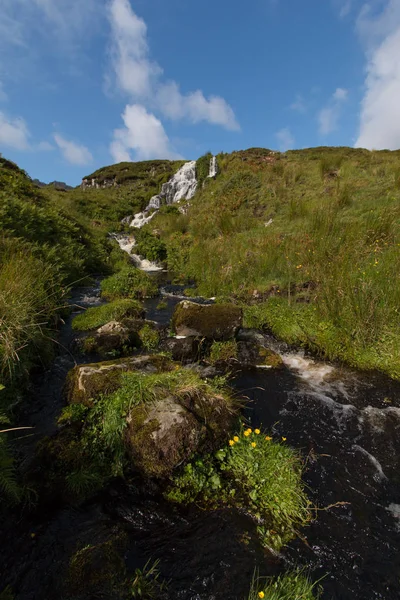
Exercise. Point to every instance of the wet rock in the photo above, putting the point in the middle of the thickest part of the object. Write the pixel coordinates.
(166, 434)
(212, 321)
(86, 382)
(183, 349)
(254, 354)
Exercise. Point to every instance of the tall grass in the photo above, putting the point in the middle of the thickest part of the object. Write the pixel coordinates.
(294, 585)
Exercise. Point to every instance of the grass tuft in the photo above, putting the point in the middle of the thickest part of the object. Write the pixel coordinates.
(294, 585)
(97, 316)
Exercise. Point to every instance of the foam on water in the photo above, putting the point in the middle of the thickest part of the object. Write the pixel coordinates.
(127, 243)
(213, 167)
(312, 372)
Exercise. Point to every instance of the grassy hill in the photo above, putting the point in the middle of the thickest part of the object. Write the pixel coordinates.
(308, 241)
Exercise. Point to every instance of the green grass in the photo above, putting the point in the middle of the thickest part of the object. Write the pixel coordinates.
(223, 351)
(332, 240)
(256, 473)
(97, 316)
(294, 585)
(129, 282)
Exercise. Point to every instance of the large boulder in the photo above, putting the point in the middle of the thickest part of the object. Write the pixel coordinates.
(212, 321)
(167, 433)
(86, 382)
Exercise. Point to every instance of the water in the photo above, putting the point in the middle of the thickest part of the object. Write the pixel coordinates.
(345, 423)
(127, 243)
(182, 186)
(213, 167)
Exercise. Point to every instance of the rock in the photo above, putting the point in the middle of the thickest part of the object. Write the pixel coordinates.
(254, 354)
(212, 321)
(184, 349)
(121, 336)
(86, 382)
(166, 434)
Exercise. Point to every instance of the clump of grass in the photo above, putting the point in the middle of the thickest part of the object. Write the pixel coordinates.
(294, 585)
(223, 351)
(162, 305)
(129, 282)
(146, 583)
(97, 316)
(149, 337)
(256, 473)
(330, 165)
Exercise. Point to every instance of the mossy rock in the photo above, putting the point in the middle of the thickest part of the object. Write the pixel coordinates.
(212, 321)
(121, 337)
(185, 349)
(254, 354)
(86, 382)
(168, 433)
(98, 569)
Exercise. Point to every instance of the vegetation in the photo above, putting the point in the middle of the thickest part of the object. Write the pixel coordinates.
(128, 282)
(203, 168)
(256, 473)
(223, 351)
(149, 337)
(317, 228)
(97, 316)
(150, 246)
(293, 585)
(146, 583)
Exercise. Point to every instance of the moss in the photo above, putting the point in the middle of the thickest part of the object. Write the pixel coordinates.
(97, 316)
(215, 321)
(149, 337)
(129, 282)
(99, 568)
(270, 358)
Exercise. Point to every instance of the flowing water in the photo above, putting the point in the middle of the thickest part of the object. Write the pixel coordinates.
(213, 167)
(346, 424)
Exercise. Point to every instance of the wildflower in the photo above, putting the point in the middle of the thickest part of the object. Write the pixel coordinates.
(268, 438)
(249, 429)
(283, 439)
(261, 595)
(235, 439)
(231, 442)
(247, 433)
(253, 444)
(257, 431)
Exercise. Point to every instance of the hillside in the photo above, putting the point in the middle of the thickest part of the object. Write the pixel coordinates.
(308, 241)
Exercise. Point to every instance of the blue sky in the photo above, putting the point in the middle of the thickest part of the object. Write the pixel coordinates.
(85, 83)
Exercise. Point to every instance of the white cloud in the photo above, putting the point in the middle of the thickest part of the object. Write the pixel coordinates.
(14, 133)
(328, 117)
(380, 117)
(143, 133)
(299, 105)
(140, 77)
(74, 153)
(45, 147)
(285, 139)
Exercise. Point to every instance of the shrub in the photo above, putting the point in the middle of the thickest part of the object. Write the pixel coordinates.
(97, 316)
(150, 246)
(129, 282)
(255, 473)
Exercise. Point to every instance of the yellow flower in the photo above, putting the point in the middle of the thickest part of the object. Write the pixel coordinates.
(231, 442)
(236, 439)
(247, 433)
(253, 444)
(268, 438)
(283, 439)
(257, 431)
(248, 429)
(261, 595)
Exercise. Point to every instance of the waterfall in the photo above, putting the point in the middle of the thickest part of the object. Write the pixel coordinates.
(181, 186)
(127, 243)
(213, 167)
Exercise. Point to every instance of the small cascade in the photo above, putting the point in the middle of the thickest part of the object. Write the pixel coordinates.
(213, 167)
(127, 243)
(182, 186)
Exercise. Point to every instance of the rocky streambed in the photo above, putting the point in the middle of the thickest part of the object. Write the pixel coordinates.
(345, 423)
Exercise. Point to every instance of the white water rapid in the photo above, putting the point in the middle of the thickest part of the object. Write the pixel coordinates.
(213, 167)
(127, 243)
(181, 186)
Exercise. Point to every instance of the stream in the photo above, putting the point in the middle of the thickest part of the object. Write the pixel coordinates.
(346, 424)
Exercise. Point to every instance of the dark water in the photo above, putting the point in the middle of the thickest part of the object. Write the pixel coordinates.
(346, 423)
